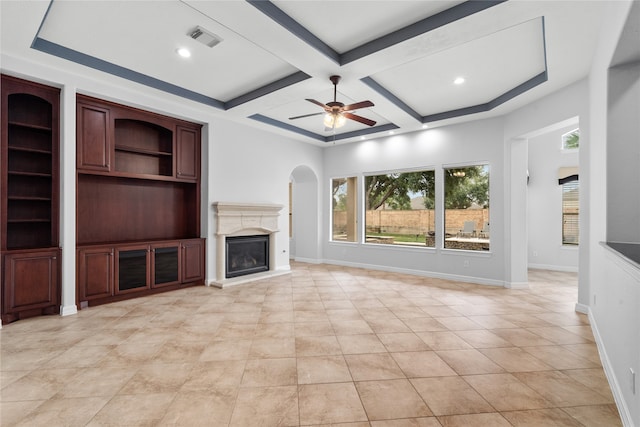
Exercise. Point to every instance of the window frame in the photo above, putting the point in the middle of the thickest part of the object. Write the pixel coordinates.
(429, 168)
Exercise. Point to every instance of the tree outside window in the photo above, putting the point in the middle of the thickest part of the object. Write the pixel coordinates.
(400, 208)
(571, 140)
(466, 203)
(344, 212)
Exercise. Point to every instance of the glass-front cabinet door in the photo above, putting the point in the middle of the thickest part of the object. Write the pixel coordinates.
(165, 265)
(132, 273)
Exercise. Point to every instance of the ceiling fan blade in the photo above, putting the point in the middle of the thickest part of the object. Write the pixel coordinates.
(360, 119)
(305, 115)
(357, 105)
(318, 103)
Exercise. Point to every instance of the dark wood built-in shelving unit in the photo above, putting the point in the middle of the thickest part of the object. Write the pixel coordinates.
(30, 206)
(138, 202)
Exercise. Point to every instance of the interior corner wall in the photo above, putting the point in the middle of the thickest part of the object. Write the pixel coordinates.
(613, 297)
(545, 248)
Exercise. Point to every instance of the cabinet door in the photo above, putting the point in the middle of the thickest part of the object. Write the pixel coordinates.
(94, 135)
(30, 280)
(132, 268)
(165, 264)
(187, 153)
(192, 260)
(95, 273)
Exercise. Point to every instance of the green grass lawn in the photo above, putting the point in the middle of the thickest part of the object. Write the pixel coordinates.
(409, 238)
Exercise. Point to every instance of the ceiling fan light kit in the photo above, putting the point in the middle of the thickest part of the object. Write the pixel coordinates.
(336, 113)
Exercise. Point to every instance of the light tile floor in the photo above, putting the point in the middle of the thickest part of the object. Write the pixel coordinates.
(323, 345)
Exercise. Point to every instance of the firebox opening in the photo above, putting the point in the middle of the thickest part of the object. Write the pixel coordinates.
(246, 255)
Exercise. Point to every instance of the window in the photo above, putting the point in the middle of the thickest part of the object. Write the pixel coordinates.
(570, 213)
(466, 203)
(571, 140)
(344, 215)
(400, 208)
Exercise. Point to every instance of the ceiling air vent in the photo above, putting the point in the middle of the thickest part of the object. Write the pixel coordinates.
(205, 37)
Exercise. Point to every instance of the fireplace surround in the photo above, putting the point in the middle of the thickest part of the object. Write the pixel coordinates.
(234, 219)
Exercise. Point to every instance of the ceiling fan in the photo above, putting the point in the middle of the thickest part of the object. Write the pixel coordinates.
(336, 113)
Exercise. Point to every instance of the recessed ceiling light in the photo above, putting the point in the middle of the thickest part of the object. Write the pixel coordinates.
(425, 126)
(363, 137)
(183, 52)
(458, 81)
(391, 132)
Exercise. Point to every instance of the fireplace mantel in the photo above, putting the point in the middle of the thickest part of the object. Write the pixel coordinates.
(245, 219)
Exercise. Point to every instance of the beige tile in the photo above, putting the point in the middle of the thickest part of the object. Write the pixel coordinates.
(226, 350)
(37, 385)
(406, 403)
(491, 321)
(482, 338)
(592, 378)
(133, 410)
(416, 364)
(450, 396)
(269, 372)
(272, 347)
(131, 354)
(180, 352)
(351, 327)
(211, 375)
(408, 422)
(469, 362)
(515, 359)
(317, 346)
(560, 358)
(12, 412)
(558, 335)
(554, 417)
(68, 412)
(477, 420)
(210, 408)
(560, 389)
(330, 404)
(156, 378)
(313, 329)
(381, 366)
(385, 325)
(322, 369)
(521, 337)
(443, 340)
(587, 351)
(458, 323)
(91, 382)
(506, 393)
(596, 415)
(403, 341)
(310, 316)
(359, 344)
(424, 324)
(266, 406)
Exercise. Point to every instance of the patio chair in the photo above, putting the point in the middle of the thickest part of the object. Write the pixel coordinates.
(485, 231)
(469, 229)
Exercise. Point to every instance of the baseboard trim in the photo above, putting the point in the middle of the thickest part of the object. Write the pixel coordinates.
(582, 308)
(623, 409)
(564, 268)
(68, 310)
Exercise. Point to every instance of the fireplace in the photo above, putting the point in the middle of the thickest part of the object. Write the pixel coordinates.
(246, 242)
(246, 255)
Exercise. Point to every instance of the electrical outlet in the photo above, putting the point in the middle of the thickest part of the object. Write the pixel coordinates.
(535, 253)
(594, 299)
(466, 263)
(632, 378)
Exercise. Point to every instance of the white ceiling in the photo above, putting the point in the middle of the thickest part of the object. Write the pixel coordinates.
(401, 55)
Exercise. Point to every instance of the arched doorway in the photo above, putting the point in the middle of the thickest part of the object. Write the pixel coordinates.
(304, 238)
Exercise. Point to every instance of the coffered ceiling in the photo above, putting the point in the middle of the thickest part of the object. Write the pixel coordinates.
(273, 55)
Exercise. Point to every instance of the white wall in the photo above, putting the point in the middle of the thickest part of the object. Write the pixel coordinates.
(469, 143)
(545, 249)
(612, 298)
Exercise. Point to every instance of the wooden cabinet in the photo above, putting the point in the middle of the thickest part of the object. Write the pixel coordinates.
(124, 141)
(29, 167)
(113, 272)
(31, 283)
(94, 137)
(137, 202)
(192, 260)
